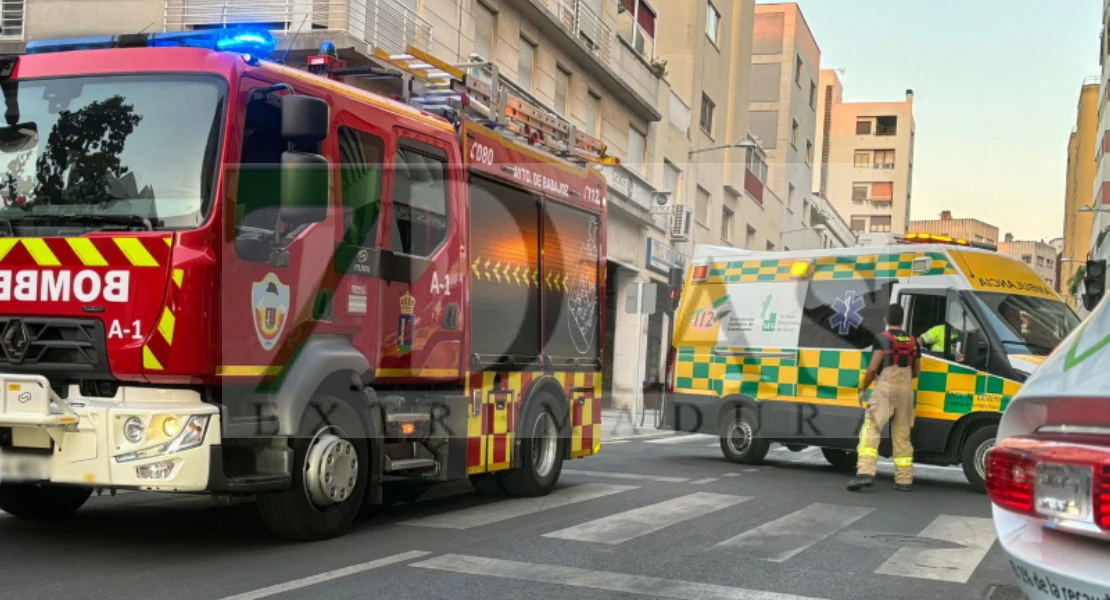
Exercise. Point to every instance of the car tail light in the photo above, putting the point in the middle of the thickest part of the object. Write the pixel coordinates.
(1010, 476)
(1101, 504)
(1011, 471)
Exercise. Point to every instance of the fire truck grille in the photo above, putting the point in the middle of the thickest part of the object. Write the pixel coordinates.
(67, 348)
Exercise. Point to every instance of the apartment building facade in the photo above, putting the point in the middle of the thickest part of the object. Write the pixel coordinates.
(866, 157)
(782, 110)
(1083, 147)
(1037, 254)
(972, 230)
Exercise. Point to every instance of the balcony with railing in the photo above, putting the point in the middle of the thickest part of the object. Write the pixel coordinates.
(588, 26)
(392, 25)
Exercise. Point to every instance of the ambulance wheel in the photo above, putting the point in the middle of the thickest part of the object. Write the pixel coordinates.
(841, 460)
(41, 502)
(542, 447)
(331, 459)
(974, 456)
(740, 441)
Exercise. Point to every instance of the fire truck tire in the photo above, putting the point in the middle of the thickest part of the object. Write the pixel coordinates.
(331, 461)
(488, 484)
(841, 460)
(974, 456)
(41, 502)
(740, 440)
(542, 447)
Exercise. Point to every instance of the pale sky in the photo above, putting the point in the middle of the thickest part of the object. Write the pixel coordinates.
(996, 85)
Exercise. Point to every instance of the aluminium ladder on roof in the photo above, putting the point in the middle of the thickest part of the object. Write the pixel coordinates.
(478, 92)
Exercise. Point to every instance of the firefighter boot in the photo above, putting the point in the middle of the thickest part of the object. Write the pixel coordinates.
(875, 419)
(860, 482)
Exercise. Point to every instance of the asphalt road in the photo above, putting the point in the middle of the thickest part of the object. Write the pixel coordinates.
(651, 516)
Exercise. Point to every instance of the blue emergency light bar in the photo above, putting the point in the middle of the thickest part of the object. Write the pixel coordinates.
(241, 40)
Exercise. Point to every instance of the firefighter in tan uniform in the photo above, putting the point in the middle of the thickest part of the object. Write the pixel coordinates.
(895, 363)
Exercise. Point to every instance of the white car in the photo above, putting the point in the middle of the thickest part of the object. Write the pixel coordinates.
(1048, 476)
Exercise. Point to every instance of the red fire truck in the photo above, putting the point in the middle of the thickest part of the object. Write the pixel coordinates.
(225, 275)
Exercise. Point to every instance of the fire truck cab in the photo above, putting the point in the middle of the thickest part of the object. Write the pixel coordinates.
(226, 275)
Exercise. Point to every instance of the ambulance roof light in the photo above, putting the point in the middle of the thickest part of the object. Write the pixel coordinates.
(799, 269)
(241, 40)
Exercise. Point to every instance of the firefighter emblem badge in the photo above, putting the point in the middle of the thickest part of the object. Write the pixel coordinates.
(270, 301)
(406, 323)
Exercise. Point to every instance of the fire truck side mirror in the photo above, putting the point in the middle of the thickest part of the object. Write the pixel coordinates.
(304, 188)
(304, 119)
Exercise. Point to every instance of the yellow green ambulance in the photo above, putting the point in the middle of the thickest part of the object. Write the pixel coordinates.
(772, 347)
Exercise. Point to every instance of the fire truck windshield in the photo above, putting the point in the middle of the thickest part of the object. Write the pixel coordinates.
(97, 152)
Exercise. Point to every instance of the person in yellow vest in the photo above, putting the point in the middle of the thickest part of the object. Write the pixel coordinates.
(895, 363)
(933, 339)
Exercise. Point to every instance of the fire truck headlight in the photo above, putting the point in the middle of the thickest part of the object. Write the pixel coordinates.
(190, 436)
(134, 430)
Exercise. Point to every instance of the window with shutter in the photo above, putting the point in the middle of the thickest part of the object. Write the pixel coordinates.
(562, 86)
(526, 63)
(636, 144)
(485, 26)
(593, 109)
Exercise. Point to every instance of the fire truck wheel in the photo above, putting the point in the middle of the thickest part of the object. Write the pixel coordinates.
(541, 449)
(331, 461)
(841, 460)
(40, 502)
(740, 441)
(974, 456)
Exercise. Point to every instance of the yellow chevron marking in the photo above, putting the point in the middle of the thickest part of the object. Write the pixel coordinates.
(136, 252)
(487, 269)
(565, 288)
(536, 277)
(165, 325)
(516, 274)
(87, 252)
(506, 272)
(178, 276)
(6, 245)
(169, 241)
(548, 280)
(526, 271)
(495, 273)
(474, 267)
(43, 255)
(149, 361)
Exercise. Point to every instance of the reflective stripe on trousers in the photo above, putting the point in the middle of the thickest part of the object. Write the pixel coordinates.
(891, 401)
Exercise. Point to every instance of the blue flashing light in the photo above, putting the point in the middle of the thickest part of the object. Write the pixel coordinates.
(241, 40)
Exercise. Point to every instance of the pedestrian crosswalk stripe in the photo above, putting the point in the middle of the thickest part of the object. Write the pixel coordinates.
(703, 481)
(634, 585)
(680, 439)
(517, 507)
(781, 539)
(976, 536)
(281, 588)
(661, 478)
(637, 522)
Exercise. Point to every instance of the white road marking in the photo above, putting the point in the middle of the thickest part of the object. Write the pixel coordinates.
(976, 533)
(627, 476)
(297, 584)
(731, 474)
(703, 481)
(638, 437)
(636, 585)
(750, 470)
(634, 523)
(611, 442)
(681, 439)
(778, 540)
(500, 511)
(713, 445)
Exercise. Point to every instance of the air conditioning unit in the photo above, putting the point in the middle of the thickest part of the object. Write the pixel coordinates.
(682, 222)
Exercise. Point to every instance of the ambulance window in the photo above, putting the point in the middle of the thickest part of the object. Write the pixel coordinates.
(926, 311)
(360, 156)
(419, 203)
(844, 314)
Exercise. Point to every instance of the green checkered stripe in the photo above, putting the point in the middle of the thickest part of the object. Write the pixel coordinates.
(759, 377)
(946, 387)
(750, 271)
(879, 266)
(830, 374)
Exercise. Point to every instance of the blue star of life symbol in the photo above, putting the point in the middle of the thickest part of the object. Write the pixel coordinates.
(847, 315)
